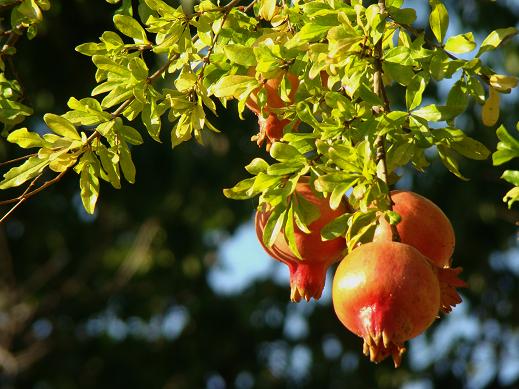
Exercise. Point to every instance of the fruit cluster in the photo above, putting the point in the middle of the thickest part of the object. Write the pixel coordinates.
(384, 291)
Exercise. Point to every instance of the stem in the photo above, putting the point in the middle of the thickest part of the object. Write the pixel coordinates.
(13, 37)
(379, 144)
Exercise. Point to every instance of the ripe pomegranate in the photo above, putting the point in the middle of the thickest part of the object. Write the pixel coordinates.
(271, 128)
(387, 293)
(423, 225)
(307, 275)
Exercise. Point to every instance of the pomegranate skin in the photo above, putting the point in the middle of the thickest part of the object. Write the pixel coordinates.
(271, 128)
(272, 88)
(308, 274)
(386, 293)
(423, 225)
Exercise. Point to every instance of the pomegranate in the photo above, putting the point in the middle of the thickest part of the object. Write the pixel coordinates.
(423, 225)
(386, 293)
(271, 128)
(307, 275)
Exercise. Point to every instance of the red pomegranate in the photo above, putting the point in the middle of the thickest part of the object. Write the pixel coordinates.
(423, 225)
(271, 128)
(307, 275)
(386, 293)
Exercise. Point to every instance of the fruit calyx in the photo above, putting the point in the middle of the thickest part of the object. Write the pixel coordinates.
(449, 281)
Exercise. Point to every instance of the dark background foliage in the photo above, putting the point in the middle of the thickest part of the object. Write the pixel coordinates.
(122, 299)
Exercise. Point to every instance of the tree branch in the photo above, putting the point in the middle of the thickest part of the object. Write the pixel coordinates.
(379, 144)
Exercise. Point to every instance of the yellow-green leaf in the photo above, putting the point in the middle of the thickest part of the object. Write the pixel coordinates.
(61, 126)
(460, 44)
(490, 111)
(24, 138)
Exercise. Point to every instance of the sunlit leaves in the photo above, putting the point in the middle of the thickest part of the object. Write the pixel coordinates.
(507, 149)
(438, 19)
(131, 28)
(23, 173)
(333, 116)
(496, 38)
(23, 138)
(89, 181)
(461, 44)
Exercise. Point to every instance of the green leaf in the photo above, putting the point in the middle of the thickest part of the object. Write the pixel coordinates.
(448, 157)
(89, 183)
(458, 98)
(274, 225)
(336, 228)
(110, 164)
(105, 128)
(402, 74)
(414, 91)
(285, 168)
(61, 126)
(151, 117)
(434, 113)
(243, 190)
(496, 38)
(234, 86)
(241, 55)
(62, 162)
(23, 173)
(130, 27)
(402, 16)
(438, 19)
(256, 166)
(461, 44)
(290, 235)
(507, 148)
(392, 217)
(105, 63)
(130, 135)
(511, 196)
(511, 176)
(126, 163)
(24, 138)
(285, 153)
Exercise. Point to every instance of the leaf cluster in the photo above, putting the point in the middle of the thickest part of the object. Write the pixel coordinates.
(164, 67)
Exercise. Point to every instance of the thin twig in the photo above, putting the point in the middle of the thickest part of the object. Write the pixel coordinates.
(379, 144)
(11, 40)
(20, 199)
(17, 159)
(10, 5)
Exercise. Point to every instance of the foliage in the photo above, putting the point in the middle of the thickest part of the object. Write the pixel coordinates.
(347, 120)
(507, 148)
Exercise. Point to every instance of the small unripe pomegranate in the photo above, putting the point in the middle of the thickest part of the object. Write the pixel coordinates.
(386, 293)
(308, 274)
(423, 225)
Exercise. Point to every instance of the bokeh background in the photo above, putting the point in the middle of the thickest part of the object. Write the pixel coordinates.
(165, 286)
